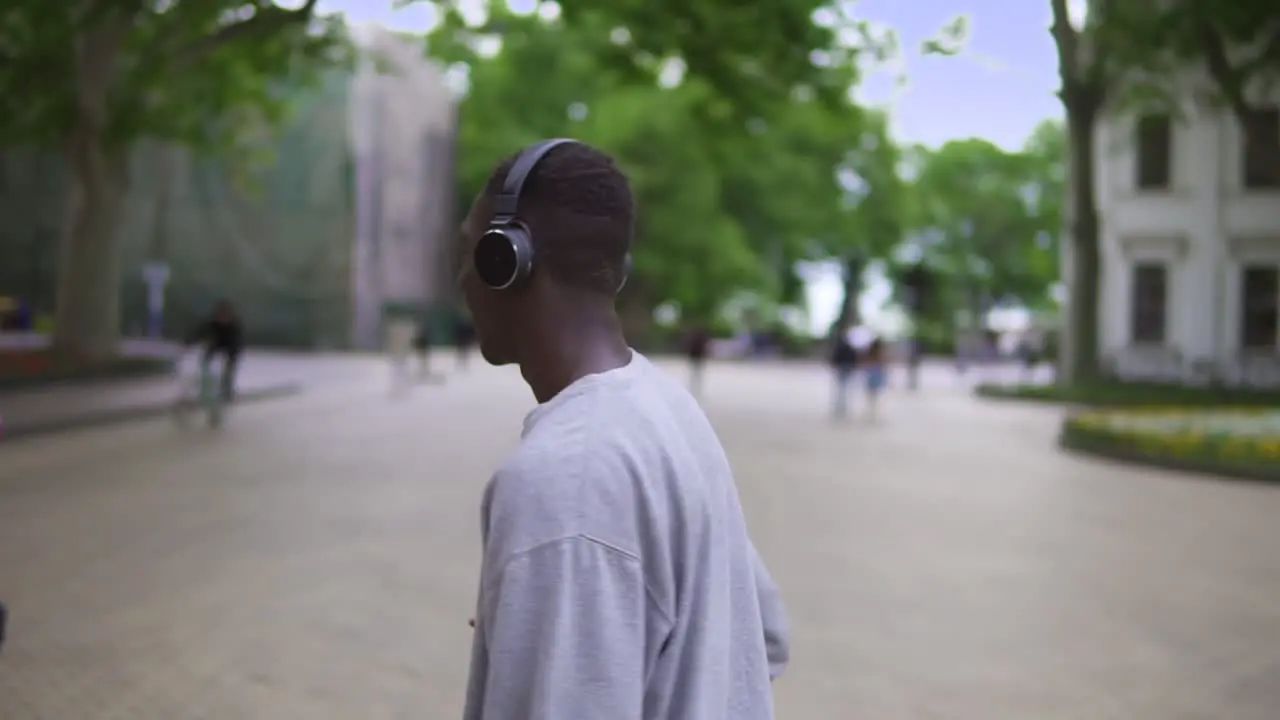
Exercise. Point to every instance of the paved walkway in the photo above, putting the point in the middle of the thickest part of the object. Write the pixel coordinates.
(77, 404)
(316, 560)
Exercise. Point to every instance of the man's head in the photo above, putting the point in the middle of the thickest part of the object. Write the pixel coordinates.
(223, 312)
(578, 209)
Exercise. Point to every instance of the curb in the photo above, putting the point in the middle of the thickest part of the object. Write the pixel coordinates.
(120, 415)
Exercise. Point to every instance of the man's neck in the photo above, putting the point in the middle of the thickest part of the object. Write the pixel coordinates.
(579, 346)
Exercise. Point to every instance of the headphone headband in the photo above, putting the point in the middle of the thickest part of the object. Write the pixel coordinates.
(503, 256)
(504, 205)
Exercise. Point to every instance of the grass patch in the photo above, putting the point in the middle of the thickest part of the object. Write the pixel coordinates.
(1240, 442)
(1116, 394)
(24, 369)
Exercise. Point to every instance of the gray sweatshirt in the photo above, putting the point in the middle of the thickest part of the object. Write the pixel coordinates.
(618, 581)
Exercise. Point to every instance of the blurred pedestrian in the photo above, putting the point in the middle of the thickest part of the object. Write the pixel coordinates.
(697, 346)
(873, 368)
(844, 361)
(915, 356)
(464, 337)
(422, 347)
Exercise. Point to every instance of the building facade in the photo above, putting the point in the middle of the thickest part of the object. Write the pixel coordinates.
(1190, 211)
(402, 119)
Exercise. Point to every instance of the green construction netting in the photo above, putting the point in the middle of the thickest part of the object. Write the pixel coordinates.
(276, 234)
(273, 235)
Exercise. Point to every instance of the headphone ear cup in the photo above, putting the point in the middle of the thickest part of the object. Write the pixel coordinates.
(503, 256)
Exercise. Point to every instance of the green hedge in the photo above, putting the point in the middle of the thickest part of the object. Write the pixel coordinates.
(1193, 441)
(1132, 394)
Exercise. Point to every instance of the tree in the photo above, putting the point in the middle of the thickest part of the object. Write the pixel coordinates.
(985, 222)
(727, 204)
(756, 55)
(1046, 154)
(92, 77)
(874, 205)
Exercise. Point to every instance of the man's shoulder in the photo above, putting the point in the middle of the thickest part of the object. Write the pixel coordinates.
(552, 462)
(568, 483)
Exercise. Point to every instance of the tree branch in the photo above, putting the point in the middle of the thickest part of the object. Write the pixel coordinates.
(1229, 80)
(1067, 39)
(264, 21)
(1268, 54)
(1083, 59)
(1232, 82)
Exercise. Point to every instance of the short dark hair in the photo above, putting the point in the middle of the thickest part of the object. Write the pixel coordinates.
(578, 206)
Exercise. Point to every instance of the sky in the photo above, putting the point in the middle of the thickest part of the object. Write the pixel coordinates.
(999, 88)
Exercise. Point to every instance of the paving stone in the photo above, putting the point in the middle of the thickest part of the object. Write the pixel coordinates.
(316, 559)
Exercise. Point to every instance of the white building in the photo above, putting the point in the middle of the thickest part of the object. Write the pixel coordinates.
(1190, 241)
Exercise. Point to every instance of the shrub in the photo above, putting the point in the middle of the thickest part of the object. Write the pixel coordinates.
(1239, 442)
(1133, 394)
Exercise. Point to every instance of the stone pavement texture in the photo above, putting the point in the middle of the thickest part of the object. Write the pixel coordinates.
(316, 559)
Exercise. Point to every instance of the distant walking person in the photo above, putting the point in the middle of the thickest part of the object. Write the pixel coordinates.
(4, 619)
(844, 360)
(874, 370)
(697, 347)
(464, 336)
(915, 356)
(422, 347)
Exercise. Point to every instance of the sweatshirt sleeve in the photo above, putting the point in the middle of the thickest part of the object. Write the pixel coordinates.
(774, 618)
(564, 625)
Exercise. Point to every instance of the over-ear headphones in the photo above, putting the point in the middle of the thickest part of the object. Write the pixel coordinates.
(503, 256)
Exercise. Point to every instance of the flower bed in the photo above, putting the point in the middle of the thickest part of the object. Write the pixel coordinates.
(1117, 394)
(1239, 442)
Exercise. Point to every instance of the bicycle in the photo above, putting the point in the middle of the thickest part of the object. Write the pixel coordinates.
(201, 390)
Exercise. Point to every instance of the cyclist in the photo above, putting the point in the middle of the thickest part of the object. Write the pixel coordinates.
(222, 334)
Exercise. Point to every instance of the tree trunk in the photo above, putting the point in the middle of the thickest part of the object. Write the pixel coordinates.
(1080, 352)
(87, 311)
(87, 314)
(849, 314)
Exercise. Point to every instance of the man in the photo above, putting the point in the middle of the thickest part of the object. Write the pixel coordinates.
(699, 344)
(422, 346)
(617, 578)
(222, 334)
(844, 360)
(464, 336)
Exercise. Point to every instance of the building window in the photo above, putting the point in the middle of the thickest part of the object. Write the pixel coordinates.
(1262, 149)
(1259, 307)
(1150, 303)
(1155, 152)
